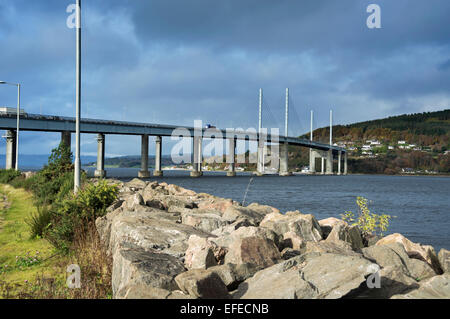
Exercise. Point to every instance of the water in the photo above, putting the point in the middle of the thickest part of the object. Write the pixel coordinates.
(421, 203)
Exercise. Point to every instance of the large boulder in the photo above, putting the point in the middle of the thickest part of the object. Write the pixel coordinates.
(255, 215)
(206, 221)
(350, 234)
(323, 246)
(437, 287)
(293, 240)
(203, 284)
(255, 250)
(134, 266)
(134, 201)
(398, 273)
(232, 275)
(422, 252)
(444, 260)
(305, 226)
(200, 253)
(135, 184)
(215, 203)
(228, 229)
(327, 225)
(228, 239)
(146, 231)
(312, 275)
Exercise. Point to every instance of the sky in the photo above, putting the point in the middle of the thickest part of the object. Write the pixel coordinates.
(176, 61)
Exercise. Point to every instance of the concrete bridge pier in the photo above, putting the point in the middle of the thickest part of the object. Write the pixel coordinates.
(345, 163)
(10, 149)
(197, 157)
(231, 158)
(260, 160)
(158, 154)
(144, 172)
(100, 171)
(66, 138)
(284, 160)
(339, 162)
(322, 166)
(330, 162)
(313, 154)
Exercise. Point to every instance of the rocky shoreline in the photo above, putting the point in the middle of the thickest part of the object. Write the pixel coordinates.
(168, 242)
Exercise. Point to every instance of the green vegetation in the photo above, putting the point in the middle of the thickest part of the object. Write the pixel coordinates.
(133, 161)
(426, 138)
(45, 228)
(366, 221)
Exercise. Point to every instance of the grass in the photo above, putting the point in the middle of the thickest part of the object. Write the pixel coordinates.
(15, 238)
(21, 276)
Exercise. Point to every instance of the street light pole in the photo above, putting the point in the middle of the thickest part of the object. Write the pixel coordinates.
(18, 121)
(77, 177)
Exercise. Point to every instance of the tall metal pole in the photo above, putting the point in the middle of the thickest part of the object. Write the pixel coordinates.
(331, 127)
(312, 117)
(260, 152)
(18, 121)
(286, 120)
(260, 110)
(77, 177)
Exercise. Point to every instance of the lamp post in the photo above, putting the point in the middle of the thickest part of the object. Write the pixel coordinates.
(18, 120)
(77, 173)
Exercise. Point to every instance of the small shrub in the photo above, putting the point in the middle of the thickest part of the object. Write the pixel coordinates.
(8, 175)
(368, 222)
(78, 211)
(39, 221)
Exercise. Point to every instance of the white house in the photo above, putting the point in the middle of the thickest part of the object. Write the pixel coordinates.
(402, 142)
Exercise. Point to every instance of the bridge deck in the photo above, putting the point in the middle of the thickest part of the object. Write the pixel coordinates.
(48, 123)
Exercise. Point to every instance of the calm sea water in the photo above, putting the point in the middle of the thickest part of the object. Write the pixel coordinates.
(421, 204)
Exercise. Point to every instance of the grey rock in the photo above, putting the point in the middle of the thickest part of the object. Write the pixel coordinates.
(146, 230)
(206, 221)
(255, 250)
(232, 275)
(444, 260)
(312, 275)
(203, 284)
(135, 266)
(305, 226)
(344, 232)
(437, 287)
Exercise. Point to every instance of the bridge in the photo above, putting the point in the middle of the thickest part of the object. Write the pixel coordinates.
(66, 126)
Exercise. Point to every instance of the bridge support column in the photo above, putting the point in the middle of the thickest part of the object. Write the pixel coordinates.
(144, 172)
(322, 166)
(10, 149)
(284, 160)
(260, 159)
(312, 161)
(197, 157)
(330, 162)
(231, 159)
(158, 154)
(339, 162)
(345, 163)
(66, 138)
(100, 171)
